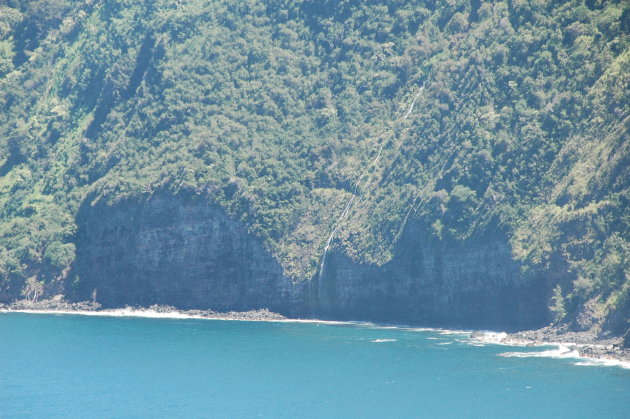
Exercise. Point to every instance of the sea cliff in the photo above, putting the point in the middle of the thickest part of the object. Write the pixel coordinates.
(181, 250)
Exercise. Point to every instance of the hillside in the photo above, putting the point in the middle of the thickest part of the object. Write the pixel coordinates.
(447, 162)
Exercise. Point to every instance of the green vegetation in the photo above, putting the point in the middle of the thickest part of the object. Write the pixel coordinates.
(557, 308)
(287, 112)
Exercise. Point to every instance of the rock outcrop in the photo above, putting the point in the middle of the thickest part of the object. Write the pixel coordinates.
(180, 250)
(177, 250)
(470, 284)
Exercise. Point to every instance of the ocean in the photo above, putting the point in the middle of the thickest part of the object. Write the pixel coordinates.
(75, 366)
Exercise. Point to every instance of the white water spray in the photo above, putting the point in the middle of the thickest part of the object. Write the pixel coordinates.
(413, 103)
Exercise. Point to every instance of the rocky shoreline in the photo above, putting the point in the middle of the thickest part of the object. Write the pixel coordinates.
(58, 304)
(586, 344)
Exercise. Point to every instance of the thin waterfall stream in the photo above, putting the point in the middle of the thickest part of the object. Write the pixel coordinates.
(355, 193)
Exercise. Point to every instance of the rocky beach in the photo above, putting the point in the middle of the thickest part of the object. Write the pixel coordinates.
(59, 305)
(588, 344)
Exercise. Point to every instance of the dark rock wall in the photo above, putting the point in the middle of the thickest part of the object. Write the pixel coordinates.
(471, 284)
(183, 251)
(175, 250)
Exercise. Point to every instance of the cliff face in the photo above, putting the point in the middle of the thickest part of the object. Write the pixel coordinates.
(470, 284)
(175, 250)
(180, 250)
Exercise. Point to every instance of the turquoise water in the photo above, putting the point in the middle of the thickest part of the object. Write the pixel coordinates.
(83, 366)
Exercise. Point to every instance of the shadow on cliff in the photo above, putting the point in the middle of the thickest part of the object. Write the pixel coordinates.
(183, 250)
(470, 284)
(180, 250)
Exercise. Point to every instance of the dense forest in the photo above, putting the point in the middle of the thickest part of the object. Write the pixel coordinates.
(325, 125)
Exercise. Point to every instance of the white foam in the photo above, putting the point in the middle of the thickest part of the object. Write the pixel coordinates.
(453, 332)
(122, 312)
(494, 337)
(561, 352)
(498, 338)
(383, 340)
(380, 327)
(152, 314)
(483, 338)
(598, 362)
(564, 352)
(421, 329)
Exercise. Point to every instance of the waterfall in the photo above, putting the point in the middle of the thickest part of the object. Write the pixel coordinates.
(356, 191)
(413, 103)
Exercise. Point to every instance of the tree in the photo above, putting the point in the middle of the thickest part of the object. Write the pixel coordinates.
(557, 304)
(33, 289)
